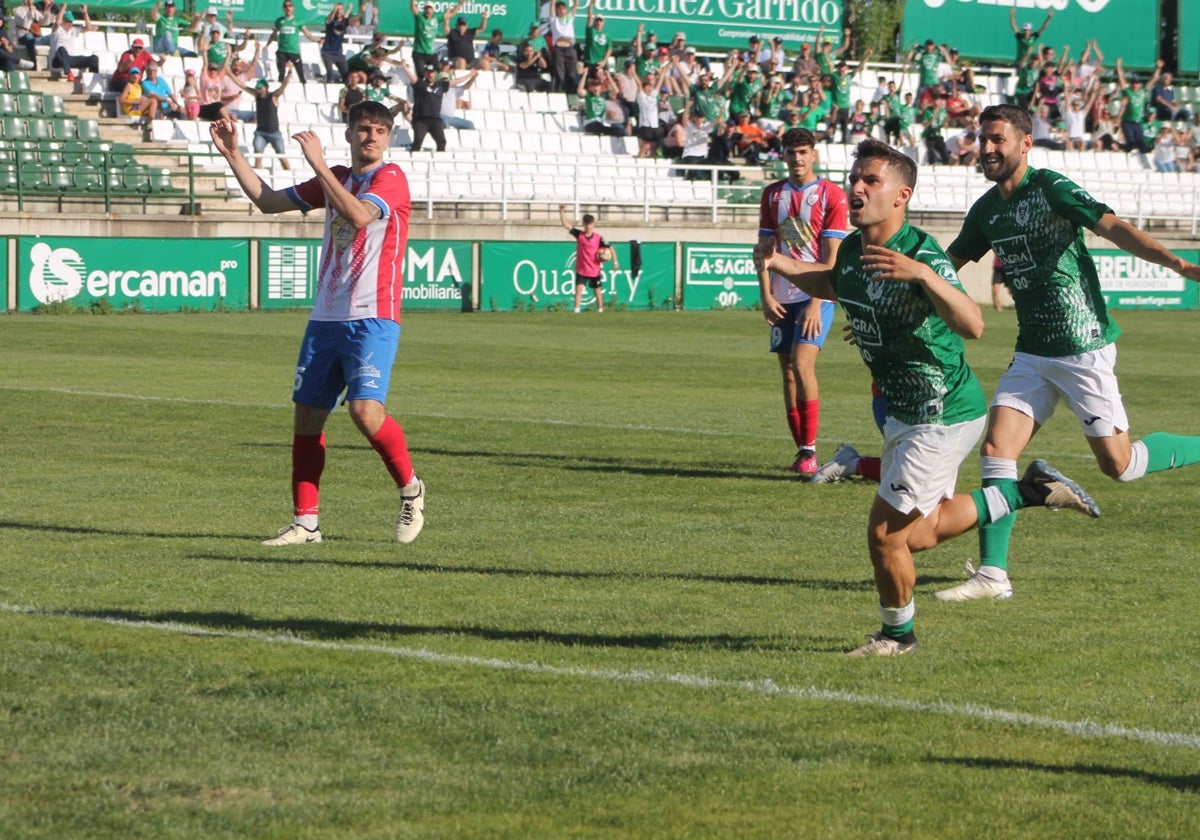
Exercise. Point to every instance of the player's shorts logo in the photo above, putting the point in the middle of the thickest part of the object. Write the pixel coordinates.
(56, 274)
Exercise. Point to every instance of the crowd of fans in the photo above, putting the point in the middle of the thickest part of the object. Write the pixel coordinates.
(677, 102)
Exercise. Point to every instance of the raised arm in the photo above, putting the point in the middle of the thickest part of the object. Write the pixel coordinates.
(1045, 23)
(814, 278)
(562, 217)
(1142, 245)
(267, 199)
(961, 314)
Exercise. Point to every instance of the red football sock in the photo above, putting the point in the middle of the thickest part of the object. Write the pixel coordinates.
(793, 421)
(389, 442)
(869, 468)
(810, 419)
(308, 462)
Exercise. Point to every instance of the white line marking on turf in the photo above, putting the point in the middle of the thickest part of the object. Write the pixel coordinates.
(765, 687)
(541, 421)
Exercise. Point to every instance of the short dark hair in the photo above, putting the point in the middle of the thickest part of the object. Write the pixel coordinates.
(1018, 118)
(375, 112)
(589, 219)
(872, 149)
(797, 137)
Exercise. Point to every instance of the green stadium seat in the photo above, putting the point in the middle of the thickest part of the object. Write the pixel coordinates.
(8, 176)
(136, 178)
(65, 128)
(33, 176)
(89, 130)
(49, 153)
(60, 178)
(122, 154)
(98, 153)
(53, 105)
(39, 128)
(26, 152)
(14, 126)
(29, 103)
(8, 103)
(18, 80)
(74, 152)
(160, 180)
(87, 178)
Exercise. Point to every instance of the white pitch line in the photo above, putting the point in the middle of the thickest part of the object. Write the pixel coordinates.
(540, 421)
(764, 687)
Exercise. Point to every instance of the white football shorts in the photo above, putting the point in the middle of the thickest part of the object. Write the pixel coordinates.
(1087, 383)
(920, 463)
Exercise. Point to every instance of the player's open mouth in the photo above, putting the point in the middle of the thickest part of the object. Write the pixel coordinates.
(857, 203)
(992, 160)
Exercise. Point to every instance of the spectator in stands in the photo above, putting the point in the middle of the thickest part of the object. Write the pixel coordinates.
(134, 58)
(1045, 132)
(490, 54)
(203, 25)
(827, 56)
(1162, 98)
(30, 24)
(645, 52)
(1049, 91)
(777, 63)
(351, 94)
(191, 95)
(1025, 86)
(1085, 71)
(454, 100)
(806, 63)
(425, 29)
(133, 102)
(166, 30)
(1075, 119)
(815, 113)
(217, 92)
(158, 88)
(214, 48)
(901, 115)
(928, 60)
(1193, 139)
(66, 45)
(594, 91)
(460, 41)
(596, 47)
(564, 58)
(752, 142)
(706, 99)
(374, 58)
(287, 33)
(266, 118)
(745, 86)
(683, 71)
(770, 105)
(650, 130)
(1164, 149)
(1026, 37)
(859, 122)
(935, 118)
(426, 99)
(333, 43)
(628, 86)
(378, 91)
(1106, 133)
(1133, 112)
(528, 73)
(1185, 155)
(840, 89)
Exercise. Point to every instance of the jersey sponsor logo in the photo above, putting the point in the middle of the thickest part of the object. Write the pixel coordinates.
(863, 323)
(1014, 255)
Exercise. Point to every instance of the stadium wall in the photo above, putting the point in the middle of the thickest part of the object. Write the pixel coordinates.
(264, 263)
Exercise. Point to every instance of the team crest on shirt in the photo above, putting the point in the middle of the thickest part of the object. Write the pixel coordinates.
(811, 198)
(341, 233)
(1022, 214)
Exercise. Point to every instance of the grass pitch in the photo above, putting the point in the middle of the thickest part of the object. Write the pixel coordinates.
(622, 619)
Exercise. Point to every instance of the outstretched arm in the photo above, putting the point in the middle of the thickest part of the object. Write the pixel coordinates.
(562, 217)
(814, 278)
(1142, 245)
(225, 139)
(1045, 23)
(961, 314)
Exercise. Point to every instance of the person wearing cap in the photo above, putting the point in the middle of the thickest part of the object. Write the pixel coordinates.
(133, 102)
(333, 42)
(205, 21)
(827, 56)
(806, 63)
(426, 94)
(191, 95)
(158, 88)
(597, 49)
(454, 100)
(840, 89)
(460, 41)
(1026, 37)
(287, 33)
(928, 58)
(564, 58)
(134, 58)
(744, 89)
(166, 30)
(214, 48)
(66, 44)
(266, 118)
(770, 105)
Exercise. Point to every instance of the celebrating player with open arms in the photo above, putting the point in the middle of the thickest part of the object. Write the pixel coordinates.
(354, 331)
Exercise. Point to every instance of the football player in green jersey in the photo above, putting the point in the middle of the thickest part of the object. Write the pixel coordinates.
(908, 315)
(1034, 219)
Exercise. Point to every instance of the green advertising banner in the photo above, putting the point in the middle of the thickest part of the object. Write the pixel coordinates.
(719, 277)
(308, 12)
(1189, 37)
(980, 29)
(514, 17)
(1131, 283)
(434, 273)
(152, 274)
(541, 275)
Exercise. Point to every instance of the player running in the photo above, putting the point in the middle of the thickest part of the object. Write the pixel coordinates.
(1033, 220)
(354, 330)
(802, 216)
(909, 315)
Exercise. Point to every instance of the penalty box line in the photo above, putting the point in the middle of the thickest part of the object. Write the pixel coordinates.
(763, 687)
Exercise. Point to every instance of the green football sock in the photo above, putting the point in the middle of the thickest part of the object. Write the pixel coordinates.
(1170, 452)
(994, 536)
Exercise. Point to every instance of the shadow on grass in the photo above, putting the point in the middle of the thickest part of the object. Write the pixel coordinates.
(570, 574)
(587, 463)
(8, 525)
(322, 629)
(1184, 784)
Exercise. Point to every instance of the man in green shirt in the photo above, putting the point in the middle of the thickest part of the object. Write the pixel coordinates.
(596, 47)
(287, 33)
(908, 316)
(1135, 97)
(840, 89)
(1026, 38)
(928, 59)
(1034, 220)
(425, 29)
(743, 91)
